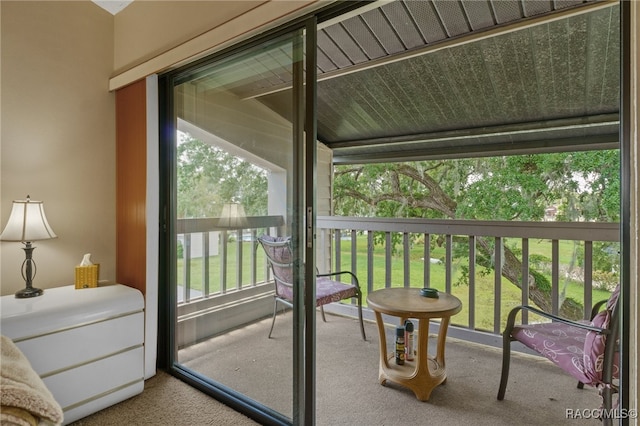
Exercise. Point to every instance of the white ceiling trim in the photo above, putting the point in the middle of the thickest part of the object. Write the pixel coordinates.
(268, 15)
(113, 6)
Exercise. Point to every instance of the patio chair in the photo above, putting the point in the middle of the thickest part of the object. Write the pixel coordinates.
(587, 350)
(280, 260)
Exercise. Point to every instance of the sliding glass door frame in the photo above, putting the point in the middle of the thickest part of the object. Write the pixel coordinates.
(303, 34)
(308, 353)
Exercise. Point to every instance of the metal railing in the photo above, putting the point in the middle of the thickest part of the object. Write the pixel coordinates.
(223, 259)
(396, 239)
(204, 245)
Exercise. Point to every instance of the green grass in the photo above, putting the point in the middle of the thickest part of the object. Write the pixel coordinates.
(196, 280)
(484, 280)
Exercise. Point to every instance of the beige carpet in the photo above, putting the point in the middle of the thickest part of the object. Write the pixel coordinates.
(348, 392)
(167, 401)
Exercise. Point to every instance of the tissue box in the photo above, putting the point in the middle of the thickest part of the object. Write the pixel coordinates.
(87, 276)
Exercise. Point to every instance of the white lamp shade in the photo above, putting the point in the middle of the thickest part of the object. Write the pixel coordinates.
(233, 216)
(27, 222)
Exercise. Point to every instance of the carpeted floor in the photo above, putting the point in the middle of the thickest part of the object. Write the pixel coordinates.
(167, 401)
(348, 391)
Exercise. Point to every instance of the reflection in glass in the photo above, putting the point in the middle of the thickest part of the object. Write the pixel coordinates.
(234, 174)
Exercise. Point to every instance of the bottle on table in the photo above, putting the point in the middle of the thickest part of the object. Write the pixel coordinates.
(408, 340)
(400, 349)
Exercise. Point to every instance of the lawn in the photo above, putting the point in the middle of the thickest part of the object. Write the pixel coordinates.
(215, 272)
(484, 280)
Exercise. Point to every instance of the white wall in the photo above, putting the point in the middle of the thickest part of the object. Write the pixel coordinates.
(57, 135)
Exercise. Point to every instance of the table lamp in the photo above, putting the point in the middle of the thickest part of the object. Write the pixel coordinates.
(232, 216)
(27, 223)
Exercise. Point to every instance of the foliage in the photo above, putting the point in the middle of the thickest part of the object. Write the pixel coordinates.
(179, 250)
(208, 177)
(542, 282)
(605, 280)
(600, 198)
(463, 278)
(539, 261)
(582, 185)
(605, 258)
(565, 186)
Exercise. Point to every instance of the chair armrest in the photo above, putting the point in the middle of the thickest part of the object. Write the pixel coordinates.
(512, 317)
(596, 308)
(332, 274)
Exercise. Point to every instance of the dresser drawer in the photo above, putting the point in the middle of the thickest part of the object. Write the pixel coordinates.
(62, 308)
(87, 382)
(87, 345)
(69, 348)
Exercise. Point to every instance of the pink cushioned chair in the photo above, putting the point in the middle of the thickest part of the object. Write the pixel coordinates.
(280, 259)
(586, 350)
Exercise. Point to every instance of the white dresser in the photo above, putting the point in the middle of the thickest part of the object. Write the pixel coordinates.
(87, 345)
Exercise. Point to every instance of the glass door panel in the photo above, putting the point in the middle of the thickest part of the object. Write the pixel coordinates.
(237, 177)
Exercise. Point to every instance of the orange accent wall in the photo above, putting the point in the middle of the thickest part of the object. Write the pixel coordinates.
(131, 178)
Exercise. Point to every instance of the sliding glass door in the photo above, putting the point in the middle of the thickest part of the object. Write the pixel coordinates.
(235, 170)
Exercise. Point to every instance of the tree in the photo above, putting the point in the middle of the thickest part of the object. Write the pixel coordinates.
(208, 177)
(583, 186)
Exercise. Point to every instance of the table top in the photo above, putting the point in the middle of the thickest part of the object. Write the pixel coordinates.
(407, 302)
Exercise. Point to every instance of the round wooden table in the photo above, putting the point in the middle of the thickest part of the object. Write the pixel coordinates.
(426, 372)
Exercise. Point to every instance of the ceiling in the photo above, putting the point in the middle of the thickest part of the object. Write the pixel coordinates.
(424, 79)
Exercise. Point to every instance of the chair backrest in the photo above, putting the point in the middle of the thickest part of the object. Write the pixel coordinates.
(601, 358)
(280, 259)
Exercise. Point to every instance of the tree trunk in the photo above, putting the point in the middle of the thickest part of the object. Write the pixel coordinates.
(540, 296)
(434, 197)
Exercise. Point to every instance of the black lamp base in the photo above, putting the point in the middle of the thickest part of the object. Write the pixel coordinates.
(28, 292)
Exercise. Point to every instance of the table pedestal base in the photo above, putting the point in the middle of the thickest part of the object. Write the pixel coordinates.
(424, 373)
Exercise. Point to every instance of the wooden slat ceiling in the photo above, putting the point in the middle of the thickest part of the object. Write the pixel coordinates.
(448, 78)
